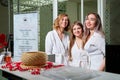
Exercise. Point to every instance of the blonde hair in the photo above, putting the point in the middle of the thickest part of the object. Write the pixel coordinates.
(56, 22)
(98, 27)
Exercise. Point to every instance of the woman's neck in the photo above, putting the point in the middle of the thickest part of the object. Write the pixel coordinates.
(78, 38)
(79, 42)
(60, 30)
(92, 32)
(60, 33)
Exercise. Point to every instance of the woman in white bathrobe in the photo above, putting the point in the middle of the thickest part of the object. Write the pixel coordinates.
(95, 41)
(57, 40)
(76, 44)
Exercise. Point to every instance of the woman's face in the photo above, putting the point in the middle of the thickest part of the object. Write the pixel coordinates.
(63, 22)
(77, 31)
(90, 21)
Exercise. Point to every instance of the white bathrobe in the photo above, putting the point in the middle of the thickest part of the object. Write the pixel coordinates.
(76, 54)
(95, 47)
(53, 45)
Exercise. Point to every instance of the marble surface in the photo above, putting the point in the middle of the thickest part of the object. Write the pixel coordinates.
(65, 73)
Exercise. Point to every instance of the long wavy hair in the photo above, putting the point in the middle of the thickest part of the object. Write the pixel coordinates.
(72, 37)
(98, 27)
(56, 22)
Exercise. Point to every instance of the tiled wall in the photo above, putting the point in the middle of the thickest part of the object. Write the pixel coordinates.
(107, 22)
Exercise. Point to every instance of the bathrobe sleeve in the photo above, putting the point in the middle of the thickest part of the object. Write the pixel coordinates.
(49, 43)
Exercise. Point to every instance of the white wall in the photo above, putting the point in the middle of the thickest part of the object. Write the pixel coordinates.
(71, 10)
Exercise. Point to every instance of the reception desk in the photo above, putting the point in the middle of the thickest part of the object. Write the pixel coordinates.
(61, 73)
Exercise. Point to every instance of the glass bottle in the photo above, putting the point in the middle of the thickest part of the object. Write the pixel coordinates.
(7, 58)
(84, 60)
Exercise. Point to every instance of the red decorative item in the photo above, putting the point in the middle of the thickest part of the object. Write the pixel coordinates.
(3, 42)
(13, 66)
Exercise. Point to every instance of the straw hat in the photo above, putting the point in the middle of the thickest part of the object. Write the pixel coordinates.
(33, 59)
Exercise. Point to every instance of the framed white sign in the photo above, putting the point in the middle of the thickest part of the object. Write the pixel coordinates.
(25, 33)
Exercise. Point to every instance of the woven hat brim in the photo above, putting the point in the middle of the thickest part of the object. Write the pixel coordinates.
(30, 67)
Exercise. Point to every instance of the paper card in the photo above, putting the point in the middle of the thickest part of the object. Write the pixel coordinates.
(26, 31)
(58, 58)
(1, 58)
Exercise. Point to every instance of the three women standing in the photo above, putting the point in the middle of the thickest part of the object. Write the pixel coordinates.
(91, 39)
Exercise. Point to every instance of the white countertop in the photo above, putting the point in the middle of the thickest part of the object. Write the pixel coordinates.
(66, 73)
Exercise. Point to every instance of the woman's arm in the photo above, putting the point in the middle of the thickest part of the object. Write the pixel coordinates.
(102, 66)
